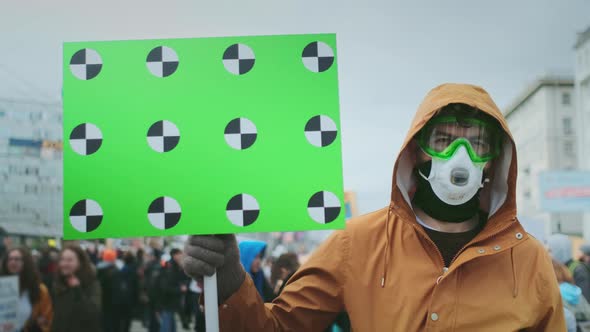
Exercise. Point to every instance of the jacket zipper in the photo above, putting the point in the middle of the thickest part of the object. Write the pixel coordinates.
(429, 240)
(425, 236)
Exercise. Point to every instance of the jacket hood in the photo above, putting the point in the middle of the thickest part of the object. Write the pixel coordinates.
(502, 191)
(570, 293)
(560, 247)
(248, 251)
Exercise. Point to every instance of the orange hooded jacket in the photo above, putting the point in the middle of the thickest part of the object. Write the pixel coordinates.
(387, 274)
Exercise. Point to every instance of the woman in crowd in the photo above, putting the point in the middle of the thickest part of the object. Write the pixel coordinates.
(35, 312)
(284, 267)
(77, 298)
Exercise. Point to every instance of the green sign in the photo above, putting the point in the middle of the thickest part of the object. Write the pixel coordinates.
(201, 136)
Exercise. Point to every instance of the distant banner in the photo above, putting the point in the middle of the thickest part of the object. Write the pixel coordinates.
(8, 303)
(565, 191)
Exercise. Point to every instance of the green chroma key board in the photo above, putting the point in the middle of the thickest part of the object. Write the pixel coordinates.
(201, 136)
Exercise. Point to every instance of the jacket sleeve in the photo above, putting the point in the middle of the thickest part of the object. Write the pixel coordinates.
(88, 303)
(310, 301)
(551, 313)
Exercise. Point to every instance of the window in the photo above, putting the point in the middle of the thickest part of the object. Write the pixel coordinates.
(567, 126)
(566, 98)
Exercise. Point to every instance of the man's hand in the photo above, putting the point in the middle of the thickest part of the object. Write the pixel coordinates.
(206, 254)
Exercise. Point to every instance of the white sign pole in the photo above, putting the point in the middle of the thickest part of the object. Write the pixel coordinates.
(211, 304)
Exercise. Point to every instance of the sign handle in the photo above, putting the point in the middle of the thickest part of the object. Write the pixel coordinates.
(211, 304)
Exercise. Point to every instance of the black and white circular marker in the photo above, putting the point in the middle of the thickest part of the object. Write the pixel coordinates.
(238, 59)
(86, 64)
(242, 210)
(86, 139)
(321, 131)
(240, 133)
(162, 61)
(324, 207)
(164, 212)
(317, 57)
(163, 136)
(86, 215)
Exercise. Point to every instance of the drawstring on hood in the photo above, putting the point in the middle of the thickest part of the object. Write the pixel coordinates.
(387, 239)
(514, 279)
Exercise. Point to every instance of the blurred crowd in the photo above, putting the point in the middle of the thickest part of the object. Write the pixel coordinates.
(93, 289)
(573, 277)
(76, 289)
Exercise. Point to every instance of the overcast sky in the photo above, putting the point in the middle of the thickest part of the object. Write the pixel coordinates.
(390, 53)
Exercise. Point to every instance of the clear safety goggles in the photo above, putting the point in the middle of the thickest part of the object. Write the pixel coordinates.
(442, 136)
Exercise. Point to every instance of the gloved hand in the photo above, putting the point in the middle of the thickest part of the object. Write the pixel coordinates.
(205, 254)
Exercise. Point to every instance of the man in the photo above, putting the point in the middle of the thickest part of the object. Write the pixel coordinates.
(110, 281)
(173, 286)
(447, 254)
(152, 273)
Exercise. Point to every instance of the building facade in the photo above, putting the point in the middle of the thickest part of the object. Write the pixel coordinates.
(543, 121)
(582, 83)
(582, 86)
(31, 167)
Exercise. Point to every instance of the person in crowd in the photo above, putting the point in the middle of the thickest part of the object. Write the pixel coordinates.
(93, 254)
(77, 299)
(152, 272)
(48, 264)
(560, 247)
(199, 314)
(5, 242)
(35, 310)
(573, 300)
(447, 253)
(128, 290)
(581, 271)
(111, 289)
(142, 309)
(283, 268)
(190, 305)
(173, 287)
(251, 255)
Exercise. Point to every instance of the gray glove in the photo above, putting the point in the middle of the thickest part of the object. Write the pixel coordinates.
(205, 254)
